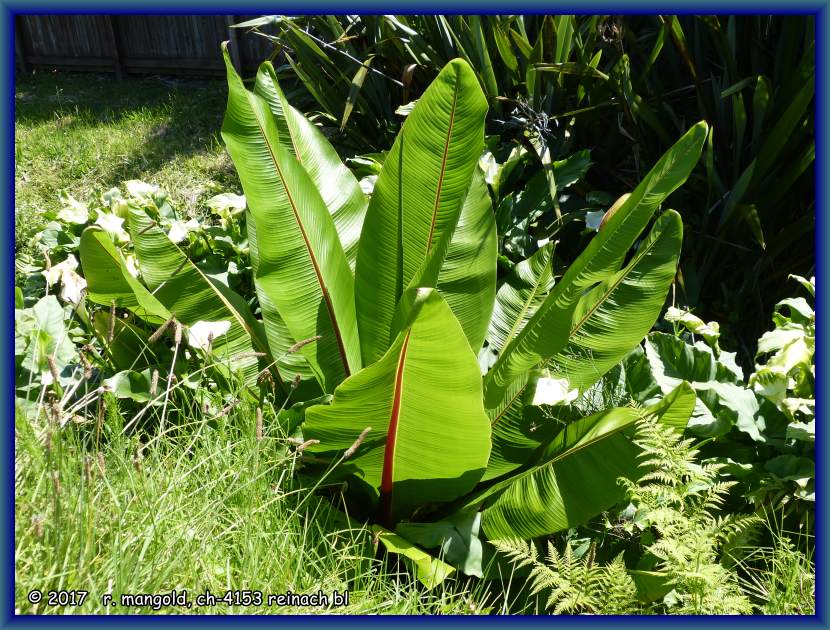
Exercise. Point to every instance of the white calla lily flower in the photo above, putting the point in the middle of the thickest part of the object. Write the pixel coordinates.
(227, 204)
(132, 265)
(54, 273)
(554, 391)
(140, 189)
(367, 184)
(202, 334)
(113, 225)
(180, 229)
(72, 287)
(72, 284)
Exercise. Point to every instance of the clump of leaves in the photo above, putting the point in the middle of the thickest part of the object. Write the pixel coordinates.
(763, 425)
(576, 585)
(67, 351)
(679, 500)
(787, 376)
(399, 290)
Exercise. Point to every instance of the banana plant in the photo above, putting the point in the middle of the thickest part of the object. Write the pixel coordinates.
(420, 425)
(399, 316)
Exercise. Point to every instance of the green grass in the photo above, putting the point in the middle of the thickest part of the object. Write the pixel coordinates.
(205, 507)
(780, 576)
(84, 132)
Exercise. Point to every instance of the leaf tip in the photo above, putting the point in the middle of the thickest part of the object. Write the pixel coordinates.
(702, 126)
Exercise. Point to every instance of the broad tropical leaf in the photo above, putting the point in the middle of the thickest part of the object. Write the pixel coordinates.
(42, 343)
(302, 268)
(467, 279)
(431, 571)
(723, 401)
(337, 185)
(516, 434)
(521, 293)
(192, 296)
(615, 316)
(417, 198)
(575, 475)
(547, 331)
(108, 279)
(133, 385)
(429, 438)
(290, 364)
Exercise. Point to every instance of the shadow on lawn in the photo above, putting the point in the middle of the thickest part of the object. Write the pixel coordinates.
(183, 117)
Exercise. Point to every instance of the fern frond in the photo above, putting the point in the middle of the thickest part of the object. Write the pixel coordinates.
(520, 552)
(678, 497)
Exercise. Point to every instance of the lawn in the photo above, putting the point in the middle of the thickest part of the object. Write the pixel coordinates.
(85, 132)
(213, 510)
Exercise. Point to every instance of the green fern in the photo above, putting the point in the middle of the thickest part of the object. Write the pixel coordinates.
(677, 497)
(576, 585)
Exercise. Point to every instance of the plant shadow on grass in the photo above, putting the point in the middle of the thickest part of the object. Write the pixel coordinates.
(88, 132)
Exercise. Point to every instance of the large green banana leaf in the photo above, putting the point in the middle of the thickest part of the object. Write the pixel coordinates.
(108, 279)
(515, 435)
(467, 278)
(417, 198)
(575, 475)
(337, 185)
(522, 292)
(302, 268)
(615, 316)
(608, 322)
(189, 294)
(429, 438)
(280, 340)
(547, 331)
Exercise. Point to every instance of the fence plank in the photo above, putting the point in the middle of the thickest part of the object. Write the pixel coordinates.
(143, 44)
(236, 52)
(19, 46)
(116, 54)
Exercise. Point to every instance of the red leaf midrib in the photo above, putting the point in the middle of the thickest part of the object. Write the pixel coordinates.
(443, 164)
(387, 476)
(312, 257)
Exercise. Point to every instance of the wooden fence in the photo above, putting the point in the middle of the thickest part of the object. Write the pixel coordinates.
(135, 44)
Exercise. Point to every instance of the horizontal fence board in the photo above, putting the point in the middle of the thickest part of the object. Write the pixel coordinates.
(50, 60)
(139, 44)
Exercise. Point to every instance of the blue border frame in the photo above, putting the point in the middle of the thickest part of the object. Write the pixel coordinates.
(8, 9)
(822, 237)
